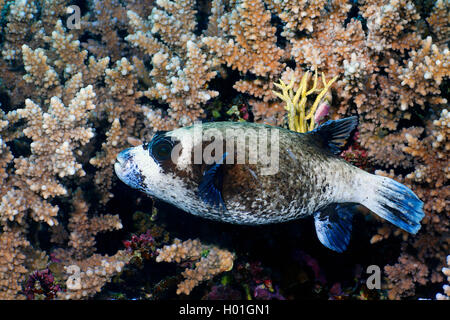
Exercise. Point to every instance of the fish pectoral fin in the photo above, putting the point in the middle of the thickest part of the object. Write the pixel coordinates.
(334, 225)
(210, 187)
(334, 134)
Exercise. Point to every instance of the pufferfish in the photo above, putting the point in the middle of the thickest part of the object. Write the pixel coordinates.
(222, 171)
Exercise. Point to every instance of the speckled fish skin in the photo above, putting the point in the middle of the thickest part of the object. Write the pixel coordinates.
(309, 178)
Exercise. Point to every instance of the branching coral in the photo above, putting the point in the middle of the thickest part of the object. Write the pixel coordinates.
(85, 272)
(67, 65)
(439, 18)
(67, 68)
(85, 278)
(120, 106)
(12, 261)
(430, 182)
(404, 276)
(208, 261)
(389, 23)
(181, 70)
(59, 132)
(21, 21)
(269, 113)
(40, 74)
(5, 154)
(83, 229)
(298, 15)
(107, 19)
(426, 68)
(56, 135)
(249, 45)
(145, 74)
(446, 272)
(104, 160)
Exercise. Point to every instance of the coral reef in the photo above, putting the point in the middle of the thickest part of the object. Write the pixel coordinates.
(56, 136)
(429, 180)
(12, 261)
(180, 69)
(247, 42)
(446, 272)
(404, 275)
(71, 99)
(207, 261)
(83, 271)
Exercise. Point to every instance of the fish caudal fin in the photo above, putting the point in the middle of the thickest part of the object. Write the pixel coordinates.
(334, 225)
(395, 203)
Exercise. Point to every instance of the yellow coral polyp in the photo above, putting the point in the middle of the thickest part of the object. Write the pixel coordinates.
(301, 119)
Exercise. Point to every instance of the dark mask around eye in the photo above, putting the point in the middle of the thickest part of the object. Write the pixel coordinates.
(160, 147)
(161, 150)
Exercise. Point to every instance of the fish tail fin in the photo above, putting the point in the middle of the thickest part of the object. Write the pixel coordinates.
(395, 203)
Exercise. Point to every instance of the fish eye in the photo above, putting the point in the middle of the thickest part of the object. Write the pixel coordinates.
(160, 150)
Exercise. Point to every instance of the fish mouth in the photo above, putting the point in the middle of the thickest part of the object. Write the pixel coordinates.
(127, 172)
(118, 169)
(122, 162)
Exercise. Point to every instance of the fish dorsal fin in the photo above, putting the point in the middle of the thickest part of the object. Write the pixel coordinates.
(210, 187)
(334, 134)
(334, 225)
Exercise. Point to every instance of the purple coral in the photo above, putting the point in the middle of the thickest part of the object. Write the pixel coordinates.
(244, 112)
(144, 244)
(264, 292)
(257, 283)
(41, 283)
